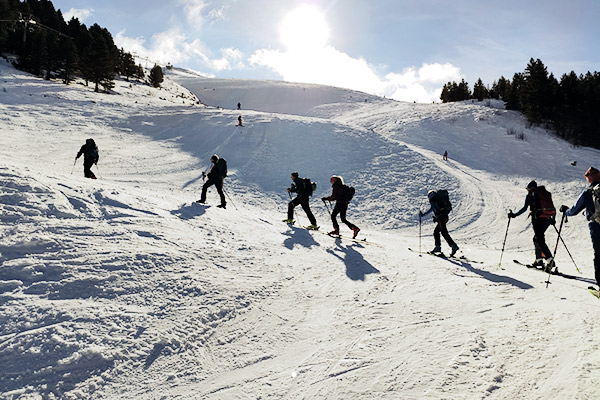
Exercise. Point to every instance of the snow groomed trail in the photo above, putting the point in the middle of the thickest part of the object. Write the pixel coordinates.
(125, 287)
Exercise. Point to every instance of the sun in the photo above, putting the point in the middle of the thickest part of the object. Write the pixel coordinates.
(304, 29)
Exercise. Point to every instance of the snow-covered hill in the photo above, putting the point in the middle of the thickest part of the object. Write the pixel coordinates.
(123, 287)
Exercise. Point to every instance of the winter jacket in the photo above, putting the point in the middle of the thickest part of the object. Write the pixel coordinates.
(435, 207)
(298, 187)
(586, 201)
(337, 193)
(90, 155)
(532, 202)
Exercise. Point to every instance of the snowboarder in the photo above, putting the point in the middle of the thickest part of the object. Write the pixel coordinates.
(216, 176)
(240, 121)
(441, 207)
(587, 200)
(542, 212)
(341, 194)
(300, 186)
(90, 157)
(445, 156)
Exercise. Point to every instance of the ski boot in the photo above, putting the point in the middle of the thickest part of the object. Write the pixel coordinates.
(454, 250)
(539, 262)
(335, 232)
(436, 249)
(312, 227)
(356, 229)
(289, 221)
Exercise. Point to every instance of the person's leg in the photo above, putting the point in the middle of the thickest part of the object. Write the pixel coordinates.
(539, 239)
(334, 214)
(309, 214)
(205, 187)
(219, 186)
(595, 234)
(443, 221)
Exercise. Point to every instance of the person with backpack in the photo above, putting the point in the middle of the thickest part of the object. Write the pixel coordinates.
(90, 157)
(542, 211)
(304, 188)
(440, 205)
(341, 194)
(590, 200)
(216, 176)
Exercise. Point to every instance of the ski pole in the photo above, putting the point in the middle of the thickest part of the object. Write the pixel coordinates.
(226, 194)
(567, 249)
(99, 174)
(562, 220)
(420, 218)
(73, 169)
(504, 243)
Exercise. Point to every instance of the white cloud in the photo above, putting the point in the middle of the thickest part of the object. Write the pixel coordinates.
(331, 67)
(193, 10)
(173, 47)
(80, 13)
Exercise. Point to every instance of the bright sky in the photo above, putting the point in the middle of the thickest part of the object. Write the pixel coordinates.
(403, 49)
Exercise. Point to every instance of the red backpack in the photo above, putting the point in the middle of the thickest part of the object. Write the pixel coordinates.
(544, 205)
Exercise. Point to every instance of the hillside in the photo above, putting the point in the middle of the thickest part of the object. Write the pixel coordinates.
(124, 287)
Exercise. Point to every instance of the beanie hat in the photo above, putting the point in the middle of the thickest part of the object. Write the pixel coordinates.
(531, 185)
(214, 157)
(295, 174)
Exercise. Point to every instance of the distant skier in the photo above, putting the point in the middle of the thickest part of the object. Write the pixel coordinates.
(588, 200)
(216, 176)
(342, 195)
(445, 156)
(542, 212)
(239, 105)
(303, 187)
(440, 205)
(240, 121)
(90, 157)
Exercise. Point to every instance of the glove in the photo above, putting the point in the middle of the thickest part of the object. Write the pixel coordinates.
(552, 221)
(421, 213)
(323, 198)
(511, 215)
(434, 219)
(288, 189)
(563, 208)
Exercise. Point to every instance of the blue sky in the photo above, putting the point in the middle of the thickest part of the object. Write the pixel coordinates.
(398, 48)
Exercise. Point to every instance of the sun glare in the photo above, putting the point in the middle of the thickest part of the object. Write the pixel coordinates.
(304, 29)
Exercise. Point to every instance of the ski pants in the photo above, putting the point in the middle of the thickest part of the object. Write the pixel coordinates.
(340, 208)
(442, 220)
(539, 240)
(302, 201)
(87, 169)
(595, 234)
(218, 182)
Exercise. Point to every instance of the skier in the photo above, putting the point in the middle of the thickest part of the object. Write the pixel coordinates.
(586, 200)
(445, 156)
(239, 105)
(441, 207)
(90, 157)
(339, 193)
(542, 213)
(300, 186)
(216, 175)
(240, 121)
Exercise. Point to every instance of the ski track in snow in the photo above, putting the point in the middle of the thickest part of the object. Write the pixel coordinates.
(124, 287)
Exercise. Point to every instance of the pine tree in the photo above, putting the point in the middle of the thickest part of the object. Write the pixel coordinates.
(156, 76)
(480, 92)
(99, 62)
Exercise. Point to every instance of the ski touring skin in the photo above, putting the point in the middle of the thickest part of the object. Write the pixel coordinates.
(448, 257)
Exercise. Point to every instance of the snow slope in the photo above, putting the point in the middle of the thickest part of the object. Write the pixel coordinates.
(123, 287)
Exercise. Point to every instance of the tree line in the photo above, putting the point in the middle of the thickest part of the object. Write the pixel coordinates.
(570, 106)
(47, 46)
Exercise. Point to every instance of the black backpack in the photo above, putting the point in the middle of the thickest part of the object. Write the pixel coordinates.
(91, 150)
(443, 202)
(222, 168)
(347, 192)
(309, 187)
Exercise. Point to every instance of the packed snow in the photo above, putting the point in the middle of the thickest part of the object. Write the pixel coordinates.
(125, 288)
